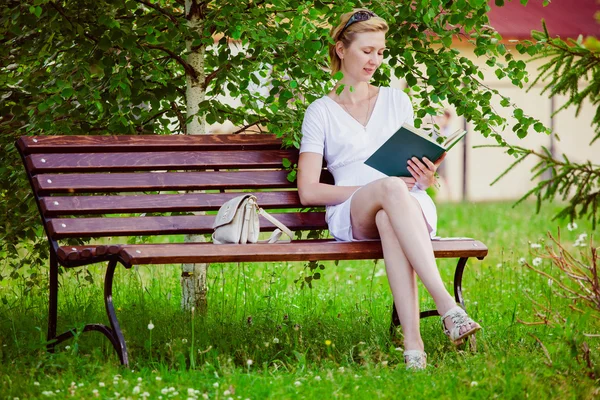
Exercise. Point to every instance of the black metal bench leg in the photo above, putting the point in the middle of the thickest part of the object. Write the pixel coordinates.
(52, 303)
(458, 274)
(117, 339)
(113, 333)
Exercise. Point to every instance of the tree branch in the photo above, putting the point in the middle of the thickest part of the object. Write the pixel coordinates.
(243, 128)
(188, 68)
(213, 74)
(160, 10)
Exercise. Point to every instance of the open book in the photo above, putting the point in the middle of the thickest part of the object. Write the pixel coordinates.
(391, 158)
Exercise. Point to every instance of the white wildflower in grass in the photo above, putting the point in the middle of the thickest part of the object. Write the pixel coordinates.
(498, 265)
(136, 390)
(216, 384)
(164, 390)
(184, 340)
(117, 394)
(204, 396)
(380, 272)
(140, 380)
(572, 226)
(249, 362)
(150, 326)
(226, 393)
(341, 369)
(95, 392)
(550, 282)
(297, 383)
(67, 347)
(473, 384)
(537, 261)
(535, 246)
(36, 384)
(317, 378)
(101, 384)
(522, 260)
(145, 394)
(48, 393)
(158, 378)
(275, 340)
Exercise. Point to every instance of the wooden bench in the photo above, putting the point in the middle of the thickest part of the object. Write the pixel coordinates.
(89, 187)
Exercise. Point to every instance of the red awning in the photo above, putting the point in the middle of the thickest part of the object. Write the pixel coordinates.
(564, 18)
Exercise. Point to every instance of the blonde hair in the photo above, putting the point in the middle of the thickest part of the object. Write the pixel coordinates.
(373, 24)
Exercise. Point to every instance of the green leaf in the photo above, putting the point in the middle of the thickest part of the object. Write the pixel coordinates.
(539, 127)
(286, 163)
(518, 113)
(338, 75)
(411, 80)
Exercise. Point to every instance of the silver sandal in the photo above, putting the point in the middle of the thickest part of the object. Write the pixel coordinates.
(415, 360)
(460, 319)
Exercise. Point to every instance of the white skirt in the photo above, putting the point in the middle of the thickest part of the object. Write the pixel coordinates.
(340, 227)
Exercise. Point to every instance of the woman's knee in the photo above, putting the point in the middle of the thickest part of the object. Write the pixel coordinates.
(394, 188)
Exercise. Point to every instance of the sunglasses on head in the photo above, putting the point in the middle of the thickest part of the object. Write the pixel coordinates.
(358, 16)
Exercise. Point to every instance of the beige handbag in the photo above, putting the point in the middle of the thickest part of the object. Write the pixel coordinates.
(237, 222)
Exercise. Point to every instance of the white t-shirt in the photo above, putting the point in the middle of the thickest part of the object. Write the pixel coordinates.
(345, 144)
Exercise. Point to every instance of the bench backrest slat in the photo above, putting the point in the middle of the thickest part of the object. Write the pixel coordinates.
(148, 181)
(128, 144)
(157, 203)
(153, 161)
(62, 228)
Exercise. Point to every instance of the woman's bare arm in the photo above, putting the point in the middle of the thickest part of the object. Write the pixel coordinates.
(311, 191)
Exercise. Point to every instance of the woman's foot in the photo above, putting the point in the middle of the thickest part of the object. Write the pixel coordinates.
(458, 325)
(415, 360)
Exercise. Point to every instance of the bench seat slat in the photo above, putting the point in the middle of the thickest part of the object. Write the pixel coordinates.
(138, 143)
(153, 203)
(163, 160)
(310, 250)
(62, 228)
(151, 181)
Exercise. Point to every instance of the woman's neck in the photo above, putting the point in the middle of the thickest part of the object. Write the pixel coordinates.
(360, 91)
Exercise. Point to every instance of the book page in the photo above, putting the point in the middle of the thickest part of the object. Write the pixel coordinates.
(429, 135)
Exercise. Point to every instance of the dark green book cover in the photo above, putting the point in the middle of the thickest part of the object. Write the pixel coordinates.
(391, 158)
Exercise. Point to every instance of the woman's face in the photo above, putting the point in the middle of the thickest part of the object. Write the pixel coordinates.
(364, 55)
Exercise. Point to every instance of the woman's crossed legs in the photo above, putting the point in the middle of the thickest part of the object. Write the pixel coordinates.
(385, 209)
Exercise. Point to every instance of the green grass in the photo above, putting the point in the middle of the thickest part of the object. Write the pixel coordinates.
(328, 342)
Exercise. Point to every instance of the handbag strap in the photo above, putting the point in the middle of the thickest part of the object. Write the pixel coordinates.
(277, 223)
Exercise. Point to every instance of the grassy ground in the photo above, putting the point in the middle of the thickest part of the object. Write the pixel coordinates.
(263, 336)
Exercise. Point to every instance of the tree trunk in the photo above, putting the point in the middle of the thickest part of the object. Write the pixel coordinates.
(193, 276)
